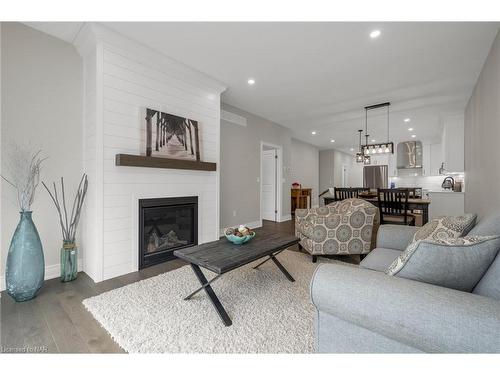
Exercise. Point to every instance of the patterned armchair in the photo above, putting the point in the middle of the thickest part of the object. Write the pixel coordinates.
(341, 228)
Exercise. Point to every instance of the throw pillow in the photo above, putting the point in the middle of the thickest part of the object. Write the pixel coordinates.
(452, 263)
(445, 227)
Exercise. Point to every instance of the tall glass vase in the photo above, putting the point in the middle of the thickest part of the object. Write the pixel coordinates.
(25, 262)
(69, 261)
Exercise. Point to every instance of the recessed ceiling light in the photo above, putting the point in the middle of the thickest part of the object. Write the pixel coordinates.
(332, 140)
(313, 132)
(413, 136)
(375, 34)
(251, 81)
(410, 129)
(373, 140)
(351, 149)
(407, 120)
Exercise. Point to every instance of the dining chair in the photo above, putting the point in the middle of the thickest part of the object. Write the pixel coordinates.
(345, 193)
(412, 192)
(393, 207)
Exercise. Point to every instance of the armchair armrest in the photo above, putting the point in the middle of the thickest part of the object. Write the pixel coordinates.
(427, 317)
(396, 237)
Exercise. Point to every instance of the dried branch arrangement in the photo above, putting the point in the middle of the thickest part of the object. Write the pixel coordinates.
(24, 168)
(69, 223)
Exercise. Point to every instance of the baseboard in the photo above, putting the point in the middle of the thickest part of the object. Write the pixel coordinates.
(251, 225)
(51, 272)
(285, 218)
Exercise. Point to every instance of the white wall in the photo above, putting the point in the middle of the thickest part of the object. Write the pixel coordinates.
(240, 167)
(41, 105)
(305, 167)
(355, 170)
(482, 132)
(331, 163)
(122, 79)
(325, 170)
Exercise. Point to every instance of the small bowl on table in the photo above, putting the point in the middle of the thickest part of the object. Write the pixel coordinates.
(237, 237)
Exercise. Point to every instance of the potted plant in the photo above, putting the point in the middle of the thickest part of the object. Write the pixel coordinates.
(25, 270)
(69, 224)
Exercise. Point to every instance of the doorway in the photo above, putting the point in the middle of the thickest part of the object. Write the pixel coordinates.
(270, 182)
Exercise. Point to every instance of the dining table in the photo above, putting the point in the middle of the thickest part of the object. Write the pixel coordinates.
(421, 204)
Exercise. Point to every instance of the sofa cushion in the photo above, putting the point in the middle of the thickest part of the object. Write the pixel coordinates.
(488, 226)
(380, 259)
(452, 263)
(396, 237)
(445, 227)
(489, 285)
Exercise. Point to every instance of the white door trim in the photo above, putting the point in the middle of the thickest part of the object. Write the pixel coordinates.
(345, 175)
(269, 182)
(279, 182)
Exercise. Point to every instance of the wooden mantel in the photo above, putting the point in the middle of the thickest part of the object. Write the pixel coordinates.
(127, 160)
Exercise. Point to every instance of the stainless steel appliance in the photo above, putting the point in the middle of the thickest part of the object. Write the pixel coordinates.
(409, 155)
(375, 176)
(448, 183)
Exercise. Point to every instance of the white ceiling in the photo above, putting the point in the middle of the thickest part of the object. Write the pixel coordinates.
(319, 76)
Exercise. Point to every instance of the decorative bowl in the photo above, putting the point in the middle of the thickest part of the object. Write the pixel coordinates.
(237, 240)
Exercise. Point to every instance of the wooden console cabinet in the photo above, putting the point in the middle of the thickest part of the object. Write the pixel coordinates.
(301, 198)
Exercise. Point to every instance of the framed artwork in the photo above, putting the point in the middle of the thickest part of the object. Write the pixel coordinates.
(171, 136)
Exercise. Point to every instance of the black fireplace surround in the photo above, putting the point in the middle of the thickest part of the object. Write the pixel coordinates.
(165, 225)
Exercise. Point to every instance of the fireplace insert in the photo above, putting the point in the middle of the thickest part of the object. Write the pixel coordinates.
(165, 225)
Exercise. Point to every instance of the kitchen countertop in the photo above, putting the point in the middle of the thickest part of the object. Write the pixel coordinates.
(445, 192)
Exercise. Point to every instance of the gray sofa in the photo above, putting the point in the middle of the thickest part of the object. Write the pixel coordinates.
(363, 310)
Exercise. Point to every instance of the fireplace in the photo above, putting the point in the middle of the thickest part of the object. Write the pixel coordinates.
(165, 225)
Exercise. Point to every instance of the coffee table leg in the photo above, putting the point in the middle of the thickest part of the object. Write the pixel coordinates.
(282, 269)
(211, 295)
(261, 263)
(201, 288)
(268, 259)
(278, 264)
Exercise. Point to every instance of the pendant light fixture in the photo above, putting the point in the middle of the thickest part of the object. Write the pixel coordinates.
(359, 154)
(366, 157)
(378, 148)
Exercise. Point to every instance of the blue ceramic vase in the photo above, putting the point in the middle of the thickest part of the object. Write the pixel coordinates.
(25, 263)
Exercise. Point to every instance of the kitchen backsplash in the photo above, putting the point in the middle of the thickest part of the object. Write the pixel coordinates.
(431, 183)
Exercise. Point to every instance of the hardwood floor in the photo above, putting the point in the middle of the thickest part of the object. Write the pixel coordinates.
(57, 322)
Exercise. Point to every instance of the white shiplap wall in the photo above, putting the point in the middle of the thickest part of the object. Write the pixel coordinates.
(134, 77)
(92, 236)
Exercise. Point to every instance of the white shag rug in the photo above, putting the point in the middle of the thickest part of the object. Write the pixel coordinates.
(270, 314)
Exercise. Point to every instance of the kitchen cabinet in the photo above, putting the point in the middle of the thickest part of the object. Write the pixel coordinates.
(445, 203)
(436, 159)
(432, 159)
(392, 165)
(453, 143)
(426, 159)
(379, 159)
(386, 159)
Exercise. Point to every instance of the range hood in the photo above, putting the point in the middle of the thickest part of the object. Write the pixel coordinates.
(409, 155)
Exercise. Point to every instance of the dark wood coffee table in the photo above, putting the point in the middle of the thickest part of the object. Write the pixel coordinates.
(222, 256)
